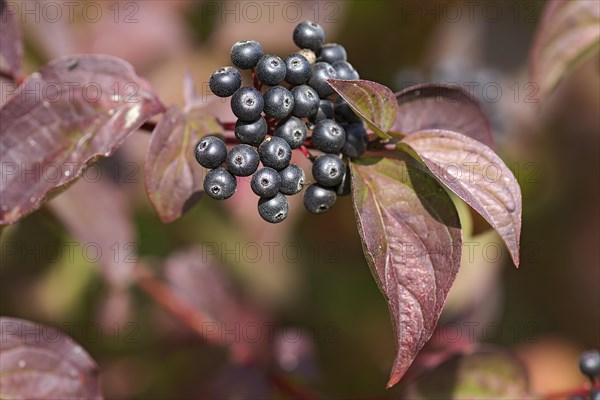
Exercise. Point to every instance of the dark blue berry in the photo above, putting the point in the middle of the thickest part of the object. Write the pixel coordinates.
(318, 199)
(328, 170)
(210, 152)
(328, 136)
(589, 363)
(273, 209)
(309, 35)
(219, 184)
(225, 81)
(292, 179)
(322, 71)
(279, 102)
(332, 52)
(306, 101)
(265, 182)
(251, 132)
(344, 112)
(356, 140)
(344, 187)
(270, 70)
(293, 130)
(298, 69)
(247, 104)
(326, 111)
(242, 160)
(246, 53)
(345, 70)
(275, 153)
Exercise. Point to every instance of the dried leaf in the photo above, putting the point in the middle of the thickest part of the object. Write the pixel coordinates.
(434, 106)
(411, 238)
(75, 109)
(11, 45)
(373, 102)
(172, 176)
(477, 175)
(41, 362)
(569, 31)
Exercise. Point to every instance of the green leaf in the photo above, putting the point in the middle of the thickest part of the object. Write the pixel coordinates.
(482, 375)
(411, 238)
(477, 175)
(569, 31)
(373, 102)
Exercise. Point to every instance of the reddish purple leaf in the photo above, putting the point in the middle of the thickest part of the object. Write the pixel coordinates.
(373, 102)
(41, 362)
(73, 110)
(411, 238)
(11, 45)
(434, 106)
(569, 31)
(172, 175)
(477, 175)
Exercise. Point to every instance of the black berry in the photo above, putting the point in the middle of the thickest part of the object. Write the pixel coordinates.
(326, 111)
(589, 363)
(279, 102)
(242, 160)
(356, 140)
(247, 104)
(251, 132)
(328, 170)
(309, 35)
(344, 112)
(332, 52)
(275, 153)
(306, 101)
(345, 70)
(322, 71)
(298, 69)
(219, 184)
(293, 130)
(210, 152)
(270, 70)
(273, 209)
(292, 179)
(246, 53)
(318, 199)
(265, 182)
(225, 81)
(328, 136)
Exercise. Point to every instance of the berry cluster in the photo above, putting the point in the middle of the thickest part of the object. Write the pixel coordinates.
(290, 105)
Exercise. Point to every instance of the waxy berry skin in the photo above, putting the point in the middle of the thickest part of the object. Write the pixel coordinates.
(318, 199)
(225, 81)
(328, 136)
(251, 132)
(356, 140)
(293, 130)
(328, 170)
(589, 363)
(298, 69)
(345, 70)
(292, 179)
(247, 104)
(246, 53)
(332, 52)
(265, 182)
(242, 160)
(275, 153)
(270, 70)
(273, 209)
(306, 101)
(309, 35)
(325, 111)
(219, 184)
(322, 71)
(210, 152)
(279, 102)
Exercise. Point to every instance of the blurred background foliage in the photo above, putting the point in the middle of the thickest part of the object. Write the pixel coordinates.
(545, 312)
